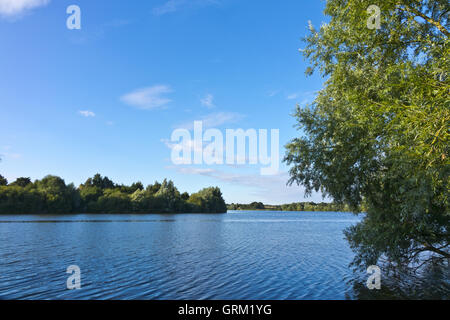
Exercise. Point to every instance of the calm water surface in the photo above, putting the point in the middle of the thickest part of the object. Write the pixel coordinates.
(239, 255)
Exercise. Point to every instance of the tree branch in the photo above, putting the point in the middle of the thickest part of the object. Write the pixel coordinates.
(426, 18)
(436, 250)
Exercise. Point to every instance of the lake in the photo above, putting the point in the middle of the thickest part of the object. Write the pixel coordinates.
(238, 255)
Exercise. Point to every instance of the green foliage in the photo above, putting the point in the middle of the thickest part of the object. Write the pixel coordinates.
(21, 182)
(257, 205)
(114, 201)
(56, 195)
(131, 189)
(99, 182)
(377, 133)
(3, 181)
(185, 196)
(153, 188)
(90, 195)
(101, 195)
(18, 200)
(208, 200)
(296, 206)
(251, 206)
(169, 195)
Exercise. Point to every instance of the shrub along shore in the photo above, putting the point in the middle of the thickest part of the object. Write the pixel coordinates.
(101, 195)
(296, 206)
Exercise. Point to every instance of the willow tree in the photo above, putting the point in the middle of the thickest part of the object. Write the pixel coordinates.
(377, 134)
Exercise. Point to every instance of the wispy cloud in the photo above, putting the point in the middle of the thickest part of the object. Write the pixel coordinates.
(268, 189)
(305, 96)
(250, 180)
(116, 23)
(191, 146)
(168, 7)
(97, 32)
(214, 120)
(188, 144)
(87, 113)
(208, 101)
(148, 98)
(273, 93)
(292, 96)
(196, 171)
(11, 8)
(14, 156)
(7, 154)
(171, 6)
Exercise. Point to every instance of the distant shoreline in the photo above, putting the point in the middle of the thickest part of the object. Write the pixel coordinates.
(296, 206)
(282, 211)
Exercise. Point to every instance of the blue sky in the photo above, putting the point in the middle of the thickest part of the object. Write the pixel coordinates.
(106, 98)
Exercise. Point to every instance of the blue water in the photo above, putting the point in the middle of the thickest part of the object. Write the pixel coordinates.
(239, 255)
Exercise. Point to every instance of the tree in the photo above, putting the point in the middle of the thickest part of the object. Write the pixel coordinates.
(170, 195)
(18, 200)
(137, 186)
(257, 205)
(3, 181)
(185, 196)
(99, 182)
(114, 201)
(139, 200)
(131, 189)
(153, 188)
(22, 182)
(208, 200)
(89, 195)
(57, 196)
(376, 136)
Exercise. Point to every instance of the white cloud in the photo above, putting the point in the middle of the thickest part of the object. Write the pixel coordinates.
(8, 154)
(305, 96)
(191, 146)
(195, 171)
(214, 120)
(268, 189)
(188, 144)
(171, 6)
(220, 118)
(98, 32)
(273, 93)
(87, 113)
(9, 8)
(13, 155)
(208, 101)
(168, 7)
(148, 98)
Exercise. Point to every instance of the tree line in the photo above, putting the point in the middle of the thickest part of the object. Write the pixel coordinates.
(296, 206)
(101, 195)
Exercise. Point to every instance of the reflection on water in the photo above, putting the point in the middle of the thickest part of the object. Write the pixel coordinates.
(78, 221)
(239, 255)
(433, 283)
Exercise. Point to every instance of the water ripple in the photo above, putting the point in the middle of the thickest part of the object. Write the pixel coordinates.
(232, 256)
